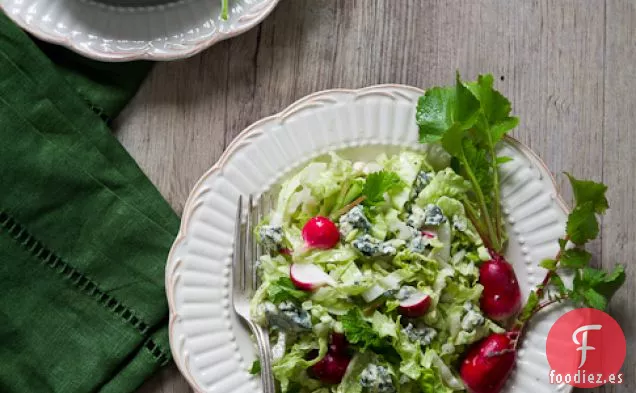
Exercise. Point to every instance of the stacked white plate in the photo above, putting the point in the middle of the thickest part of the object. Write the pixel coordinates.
(124, 30)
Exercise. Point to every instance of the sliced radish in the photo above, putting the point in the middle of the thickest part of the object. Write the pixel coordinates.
(416, 305)
(307, 276)
(429, 234)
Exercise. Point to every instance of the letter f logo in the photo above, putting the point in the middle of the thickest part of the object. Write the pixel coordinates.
(583, 345)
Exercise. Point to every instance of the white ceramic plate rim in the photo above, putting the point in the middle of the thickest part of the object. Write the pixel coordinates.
(163, 47)
(243, 138)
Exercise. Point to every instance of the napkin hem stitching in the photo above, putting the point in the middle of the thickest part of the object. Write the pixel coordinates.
(80, 281)
(98, 110)
(157, 352)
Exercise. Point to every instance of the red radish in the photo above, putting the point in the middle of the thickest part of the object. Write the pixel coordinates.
(307, 276)
(338, 343)
(415, 305)
(488, 364)
(428, 234)
(320, 232)
(501, 297)
(331, 368)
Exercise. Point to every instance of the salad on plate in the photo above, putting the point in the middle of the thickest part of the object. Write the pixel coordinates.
(389, 276)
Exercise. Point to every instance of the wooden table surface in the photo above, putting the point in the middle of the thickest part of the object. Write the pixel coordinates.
(568, 67)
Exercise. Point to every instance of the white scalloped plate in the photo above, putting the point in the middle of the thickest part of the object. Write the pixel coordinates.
(126, 30)
(210, 346)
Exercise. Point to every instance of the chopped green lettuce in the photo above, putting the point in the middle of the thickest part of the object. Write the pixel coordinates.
(292, 367)
(373, 266)
(406, 165)
(445, 183)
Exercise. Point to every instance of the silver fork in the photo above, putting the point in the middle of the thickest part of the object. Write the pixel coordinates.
(244, 282)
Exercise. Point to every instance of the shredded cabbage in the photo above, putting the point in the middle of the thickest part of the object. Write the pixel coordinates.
(418, 240)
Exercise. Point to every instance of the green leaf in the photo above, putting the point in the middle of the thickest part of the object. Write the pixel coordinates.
(530, 306)
(503, 159)
(563, 243)
(495, 107)
(283, 289)
(353, 192)
(557, 282)
(377, 184)
(452, 141)
(589, 277)
(591, 283)
(611, 282)
(582, 225)
(587, 191)
(594, 299)
(575, 258)
(549, 264)
(256, 367)
(469, 120)
(434, 114)
(359, 331)
(467, 106)
(441, 109)
(500, 129)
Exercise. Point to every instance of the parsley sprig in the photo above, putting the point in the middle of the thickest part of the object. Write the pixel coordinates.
(358, 331)
(284, 289)
(370, 192)
(377, 184)
(469, 119)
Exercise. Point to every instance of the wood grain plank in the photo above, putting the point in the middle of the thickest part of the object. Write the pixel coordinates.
(177, 121)
(574, 96)
(619, 228)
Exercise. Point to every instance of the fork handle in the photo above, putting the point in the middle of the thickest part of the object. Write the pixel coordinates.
(262, 340)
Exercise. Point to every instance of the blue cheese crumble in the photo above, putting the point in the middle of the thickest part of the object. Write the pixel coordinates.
(433, 215)
(416, 218)
(419, 243)
(353, 219)
(472, 318)
(460, 223)
(405, 292)
(278, 349)
(287, 317)
(447, 349)
(271, 237)
(372, 247)
(376, 379)
(421, 181)
(424, 335)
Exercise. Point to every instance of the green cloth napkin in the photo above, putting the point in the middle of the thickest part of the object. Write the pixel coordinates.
(84, 235)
